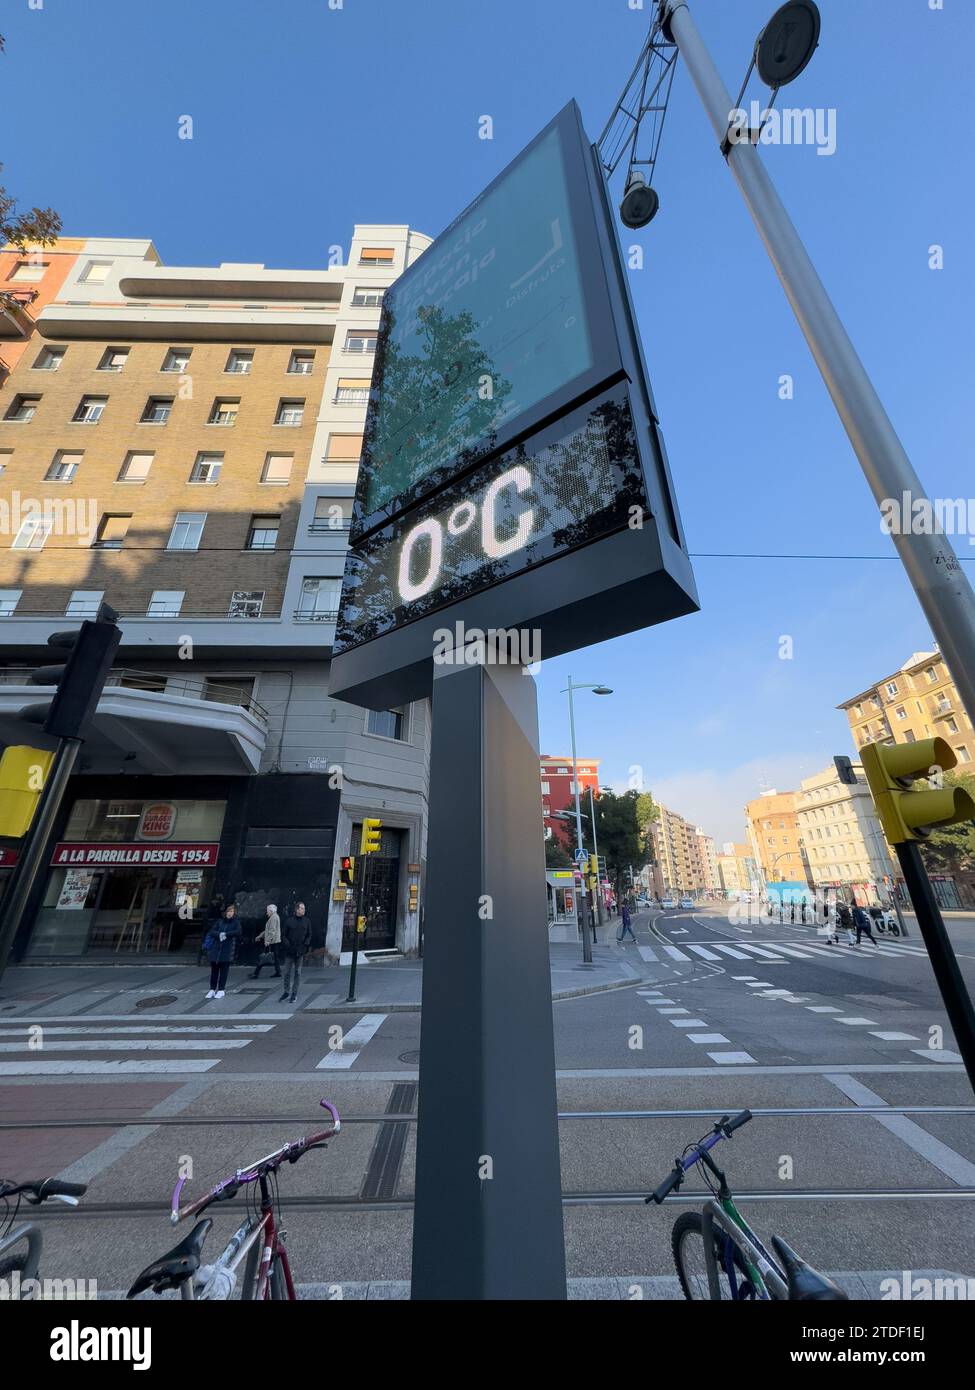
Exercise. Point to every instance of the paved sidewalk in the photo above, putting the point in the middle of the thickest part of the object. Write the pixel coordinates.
(387, 985)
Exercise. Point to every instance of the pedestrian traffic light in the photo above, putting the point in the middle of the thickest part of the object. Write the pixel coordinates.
(905, 814)
(370, 836)
(23, 772)
(347, 871)
(593, 866)
(81, 680)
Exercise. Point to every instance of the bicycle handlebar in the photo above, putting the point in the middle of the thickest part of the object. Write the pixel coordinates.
(723, 1129)
(41, 1188)
(229, 1187)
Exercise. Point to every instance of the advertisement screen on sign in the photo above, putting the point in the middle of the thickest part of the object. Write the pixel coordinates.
(513, 475)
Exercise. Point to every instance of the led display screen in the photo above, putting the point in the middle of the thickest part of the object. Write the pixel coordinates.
(488, 323)
(573, 484)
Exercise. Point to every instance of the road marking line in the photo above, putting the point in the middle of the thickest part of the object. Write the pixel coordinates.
(858, 1022)
(895, 1037)
(759, 984)
(675, 1011)
(731, 951)
(677, 955)
(648, 953)
(730, 1059)
(760, 951)
(823, 1009)
(224, 1016)
(706, 1038)
(936, 1054)
(703, 952)
(746, 978)
(144, 1028)
(132, 1045)
(361, 1033)
(953, 1165)
(93, 1068)
(687, 1022)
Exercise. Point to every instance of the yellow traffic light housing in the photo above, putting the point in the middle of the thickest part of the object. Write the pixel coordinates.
(593, 867)
(23, 772)
(370, 836)
(908, 815)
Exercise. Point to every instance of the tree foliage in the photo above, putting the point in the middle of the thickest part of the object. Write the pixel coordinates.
(622, 839)
(952, 850)
(556, 854)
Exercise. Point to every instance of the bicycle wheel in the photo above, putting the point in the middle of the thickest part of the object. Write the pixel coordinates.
(687, 1242)
(277, 1288)
(13, 1264)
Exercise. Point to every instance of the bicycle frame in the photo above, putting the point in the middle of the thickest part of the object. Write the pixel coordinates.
(766, 1277)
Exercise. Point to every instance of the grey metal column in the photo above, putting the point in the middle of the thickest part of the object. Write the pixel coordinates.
(488, 1211)
(933, 569)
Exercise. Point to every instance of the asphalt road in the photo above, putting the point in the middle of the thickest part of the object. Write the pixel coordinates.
(862, 1151)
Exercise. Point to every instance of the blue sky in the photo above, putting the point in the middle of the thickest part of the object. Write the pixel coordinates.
(308, 119)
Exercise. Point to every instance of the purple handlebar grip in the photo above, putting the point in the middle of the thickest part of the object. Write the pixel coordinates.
(177, 1191)
(327, 1105)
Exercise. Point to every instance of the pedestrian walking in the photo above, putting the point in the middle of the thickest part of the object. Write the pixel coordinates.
(846, 922)
(270, 938)
(219, 944)
(295, 940)
(861, 920)
(627, 923)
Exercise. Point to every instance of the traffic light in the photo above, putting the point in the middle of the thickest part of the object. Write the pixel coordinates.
(347, 871)
(23, 772)
(844, 770)
(370, 836)
(81, 680)
(593, 866)
(905, 814)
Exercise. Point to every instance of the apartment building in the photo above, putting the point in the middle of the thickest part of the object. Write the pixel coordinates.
(738, 873)
(916, 702)
(558, 776)
(775, 837)
(684, 854)
(843, 839)
(169, 442)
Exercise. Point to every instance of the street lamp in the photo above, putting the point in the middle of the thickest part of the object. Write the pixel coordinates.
(596, 690)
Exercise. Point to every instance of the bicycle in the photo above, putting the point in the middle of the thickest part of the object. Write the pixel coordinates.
(25, 1263)
(259, 1239)
(717, 1254)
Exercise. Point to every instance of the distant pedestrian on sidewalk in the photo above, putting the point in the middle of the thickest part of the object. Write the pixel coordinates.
(270, 938)
(627, 923)
(219, 944)
(295, 940)
(861, 920)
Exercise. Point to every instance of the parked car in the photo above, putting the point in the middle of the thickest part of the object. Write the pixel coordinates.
(665, 903)
(686, 903)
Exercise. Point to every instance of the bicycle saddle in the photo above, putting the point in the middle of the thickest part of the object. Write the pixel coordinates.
(805, 1283)
(169, 1271)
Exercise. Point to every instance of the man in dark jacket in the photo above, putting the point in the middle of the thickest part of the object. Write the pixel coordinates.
(861, 920)
(219, 944)
(295, 940)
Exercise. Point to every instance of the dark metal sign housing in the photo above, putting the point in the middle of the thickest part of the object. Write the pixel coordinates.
(513, 472)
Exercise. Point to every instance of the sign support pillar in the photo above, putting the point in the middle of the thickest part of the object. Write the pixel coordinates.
(488, 1206)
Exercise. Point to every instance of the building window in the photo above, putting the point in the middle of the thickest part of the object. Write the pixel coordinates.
(22, 408)
(343, 448)
(224, 412)
(277, 468)
(33, 533)
(263, 533)
(245, 603)
(84, 603)
(239, 362)
(951, 726)
(63, 467)
(135, 468)
(963, 754)
(176, 360)
(301, 363)
(319, 600)
(361, 340)
(49, 359)
(352, 390)
(29, 271)
(931, 674)
(385, 723)
(207, 468)
(891, 688)
(290, 413)
(112, 530)
(89, 410)
(332, 515)
(376, 255)
(368, 296)
(187, 531)
(901, 712)
(113, 359)
(95, 273)
(165, 603)
(157, 410)
(9, 598)
(545, 789)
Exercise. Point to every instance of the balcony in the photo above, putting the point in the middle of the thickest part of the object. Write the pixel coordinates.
(272, 323)
(153, 637)
(15, 321)
(153, 722)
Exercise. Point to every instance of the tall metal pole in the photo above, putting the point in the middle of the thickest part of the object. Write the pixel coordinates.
(932, 567)
(586, 944)
(595, 850)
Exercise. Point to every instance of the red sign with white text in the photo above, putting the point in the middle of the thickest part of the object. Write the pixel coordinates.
(134, 856)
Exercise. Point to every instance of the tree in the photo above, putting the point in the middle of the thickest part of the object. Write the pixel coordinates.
(952, 850)
(39, 226)
(556, 855)
(622, 842)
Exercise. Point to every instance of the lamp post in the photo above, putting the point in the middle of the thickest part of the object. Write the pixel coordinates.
(597, 690)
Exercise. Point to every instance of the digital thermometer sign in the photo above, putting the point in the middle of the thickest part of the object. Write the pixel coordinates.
(513, 475)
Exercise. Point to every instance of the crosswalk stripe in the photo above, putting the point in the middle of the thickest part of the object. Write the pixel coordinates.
(760, 951)
(647, 952)
(677, 955)
(352, 1043)
(800, 953)
(731, 951)
(702, 951)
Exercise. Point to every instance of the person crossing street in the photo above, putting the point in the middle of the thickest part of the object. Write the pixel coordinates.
(626, 923)
(861, 920)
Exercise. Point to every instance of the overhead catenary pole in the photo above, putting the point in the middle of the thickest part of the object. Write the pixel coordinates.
(586, 944)
(932, 566)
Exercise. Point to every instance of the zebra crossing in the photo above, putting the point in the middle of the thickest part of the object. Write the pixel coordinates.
(769, 951)
(181, 1045)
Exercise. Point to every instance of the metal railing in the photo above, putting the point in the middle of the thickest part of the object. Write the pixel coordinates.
(160, 683)
(309, 615)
